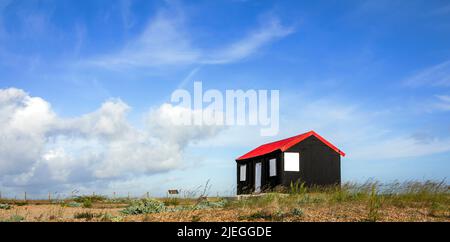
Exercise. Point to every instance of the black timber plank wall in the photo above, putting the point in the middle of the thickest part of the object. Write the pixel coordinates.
(319, 164)
(267, 182)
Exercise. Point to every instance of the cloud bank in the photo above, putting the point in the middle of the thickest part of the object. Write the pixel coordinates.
(42, 150)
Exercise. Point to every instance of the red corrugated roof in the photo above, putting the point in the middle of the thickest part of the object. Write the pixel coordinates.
(285, 144)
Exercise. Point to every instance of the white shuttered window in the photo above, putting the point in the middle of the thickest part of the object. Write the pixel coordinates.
(243, 172)
(272, 167)
(291, 161)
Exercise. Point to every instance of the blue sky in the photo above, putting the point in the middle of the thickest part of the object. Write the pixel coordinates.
(371, 76)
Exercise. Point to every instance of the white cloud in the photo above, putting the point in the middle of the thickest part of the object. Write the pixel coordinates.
(109, 121)
(163, 42)
(164, 121)
(39, 148)
(167, 41)
(444, 98)
(24, 121)
(437, 76)
(443, 102)
(267, 32)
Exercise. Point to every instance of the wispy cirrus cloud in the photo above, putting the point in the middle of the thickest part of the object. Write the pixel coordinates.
(435, 76)
(163, 42)
(443, 102)
(127, 14)
(268, 31)
(166, 40)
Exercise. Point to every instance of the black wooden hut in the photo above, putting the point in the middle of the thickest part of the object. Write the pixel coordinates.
(307, 158)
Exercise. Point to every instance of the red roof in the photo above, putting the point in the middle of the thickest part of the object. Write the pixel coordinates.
(285, 144)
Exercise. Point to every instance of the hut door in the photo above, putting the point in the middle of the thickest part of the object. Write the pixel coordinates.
(258, 177)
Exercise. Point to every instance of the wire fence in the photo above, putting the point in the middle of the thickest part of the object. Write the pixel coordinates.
(55, 196)
(64, 196)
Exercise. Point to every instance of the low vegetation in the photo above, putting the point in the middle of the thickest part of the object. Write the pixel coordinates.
(87, 201)
(144, 206)
(370, 201)
(85, 215)
(14, 218)
(5, 206)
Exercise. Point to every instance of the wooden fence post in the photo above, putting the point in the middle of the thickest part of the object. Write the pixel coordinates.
(49, 196)
(25, 196)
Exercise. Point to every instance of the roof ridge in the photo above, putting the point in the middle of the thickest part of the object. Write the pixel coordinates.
(285, 138)
(302, 136)
(286, 144)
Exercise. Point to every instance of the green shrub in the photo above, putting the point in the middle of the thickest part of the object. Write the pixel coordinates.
(93, 198)
(84, 215)
(144, 206)
(87, 203)
(297, 212)
(106, 217)
(5, 206)
(15, 218)
(205, 204)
